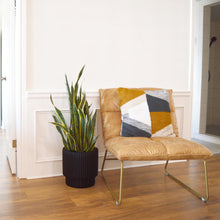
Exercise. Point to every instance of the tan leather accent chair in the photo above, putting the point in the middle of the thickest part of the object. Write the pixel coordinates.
(143, 148)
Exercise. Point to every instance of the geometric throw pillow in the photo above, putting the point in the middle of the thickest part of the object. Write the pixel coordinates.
(135, 115)
(159, 107)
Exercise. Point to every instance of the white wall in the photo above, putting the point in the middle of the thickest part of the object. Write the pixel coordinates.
(123, 43)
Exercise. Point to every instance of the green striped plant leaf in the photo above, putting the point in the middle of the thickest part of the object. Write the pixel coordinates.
(79, 134)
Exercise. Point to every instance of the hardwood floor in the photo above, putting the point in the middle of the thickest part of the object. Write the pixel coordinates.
(148, 194)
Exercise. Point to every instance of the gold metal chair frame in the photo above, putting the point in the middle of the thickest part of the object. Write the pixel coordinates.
(204, 199)
(119, 199)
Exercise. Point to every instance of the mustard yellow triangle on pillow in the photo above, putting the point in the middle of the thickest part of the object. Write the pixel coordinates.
(125, 94)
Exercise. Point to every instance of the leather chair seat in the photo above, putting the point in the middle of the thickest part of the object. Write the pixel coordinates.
(180, 148)
(157, 148)
(136, 148)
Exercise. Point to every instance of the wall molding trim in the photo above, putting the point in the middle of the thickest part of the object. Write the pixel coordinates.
(63, 94)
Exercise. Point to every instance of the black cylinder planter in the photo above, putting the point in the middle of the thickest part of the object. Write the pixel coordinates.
(80, 168)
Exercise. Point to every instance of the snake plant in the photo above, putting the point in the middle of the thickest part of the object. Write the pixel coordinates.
(79, 134)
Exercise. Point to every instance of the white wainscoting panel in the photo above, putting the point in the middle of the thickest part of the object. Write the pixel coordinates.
(48, 145)
(43, 144)
(183, 106)
(180, 119)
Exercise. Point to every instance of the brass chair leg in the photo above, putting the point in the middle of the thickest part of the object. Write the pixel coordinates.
(204, 199)
(118, 200)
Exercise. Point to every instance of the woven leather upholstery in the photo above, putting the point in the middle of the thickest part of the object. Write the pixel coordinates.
(142, 148)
